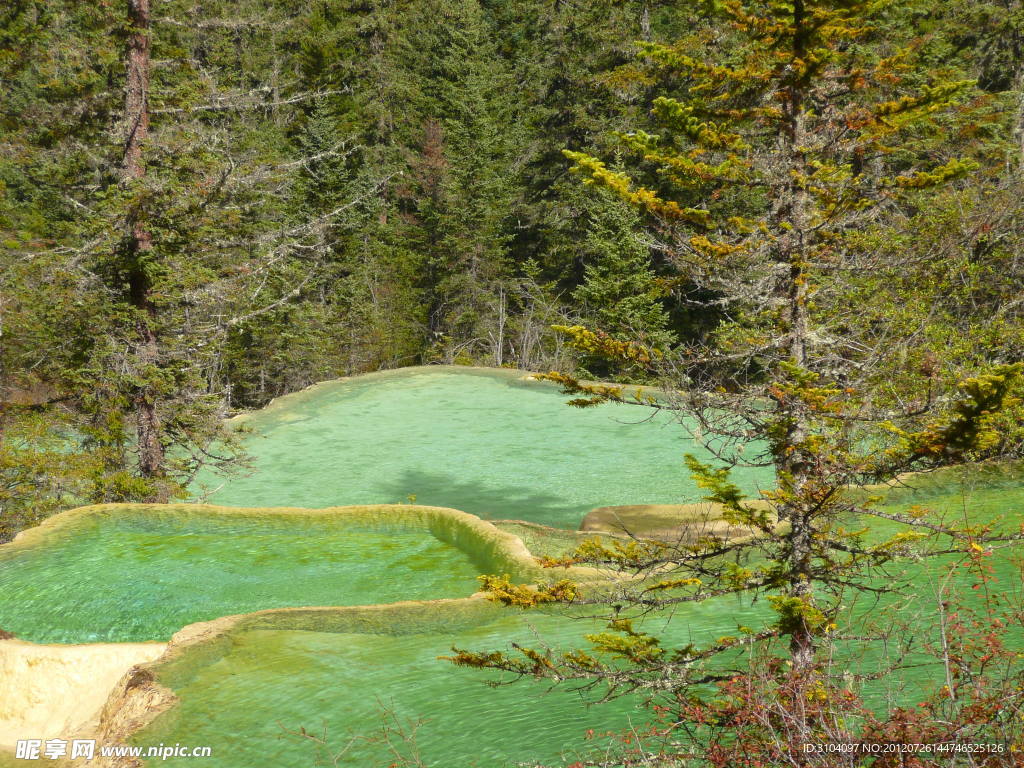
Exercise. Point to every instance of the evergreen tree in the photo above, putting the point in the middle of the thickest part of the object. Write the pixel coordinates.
(991, 36)
(173, 228)
(775, 147)
(470, 114)
(620, 294)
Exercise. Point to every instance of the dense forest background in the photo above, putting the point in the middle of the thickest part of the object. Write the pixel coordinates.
(342, 186)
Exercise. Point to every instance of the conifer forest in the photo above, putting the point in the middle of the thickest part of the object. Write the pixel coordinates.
(659, 363)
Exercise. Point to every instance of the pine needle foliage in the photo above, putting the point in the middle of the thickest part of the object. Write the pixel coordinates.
(783, 131)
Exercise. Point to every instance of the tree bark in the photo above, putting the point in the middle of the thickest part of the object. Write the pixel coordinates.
(793, 462)
(139, 242)
(645, 23)
(1018, 128)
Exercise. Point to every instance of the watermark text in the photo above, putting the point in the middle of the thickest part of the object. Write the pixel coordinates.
(86, 749)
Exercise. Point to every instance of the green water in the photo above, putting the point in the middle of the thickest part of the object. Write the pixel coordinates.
(141, 577)
(268, 680)
(482, 442)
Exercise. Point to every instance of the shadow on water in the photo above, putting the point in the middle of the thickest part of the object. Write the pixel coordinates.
(493, 502)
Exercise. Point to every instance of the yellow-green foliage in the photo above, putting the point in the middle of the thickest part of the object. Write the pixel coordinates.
(626, 643)
(682, 118)
(796, 614)
(597, 174)
(971, 424)
(502, 590)
(938, 176)
(931, 99)
(600, 343)
(725, 492)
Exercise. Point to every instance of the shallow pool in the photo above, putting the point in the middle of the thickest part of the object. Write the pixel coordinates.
(351, 685)
(482, 442)
(144, 574)
(485, 442)
(356, 686)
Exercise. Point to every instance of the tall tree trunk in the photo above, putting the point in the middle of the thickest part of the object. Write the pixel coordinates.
(1017, 46)
(139, 242)
(793, 463)
(645, 23)
(1018, 128)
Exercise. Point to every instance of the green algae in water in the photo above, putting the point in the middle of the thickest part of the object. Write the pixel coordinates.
(142, 576)
(269, 680)
(479, 441)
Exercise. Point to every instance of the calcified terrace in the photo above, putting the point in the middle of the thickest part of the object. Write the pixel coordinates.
(59, 689)
(204, 623)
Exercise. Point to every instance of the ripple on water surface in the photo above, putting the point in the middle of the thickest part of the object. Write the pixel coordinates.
(351, 684)
(480, 441)
(139, 577)
(268, 680)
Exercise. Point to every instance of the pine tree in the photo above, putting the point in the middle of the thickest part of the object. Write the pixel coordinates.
(786, 131)
(620, 294)
(171, 231)
(991, 36)
(470, 118)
